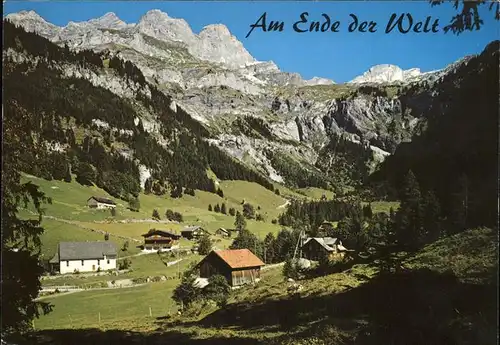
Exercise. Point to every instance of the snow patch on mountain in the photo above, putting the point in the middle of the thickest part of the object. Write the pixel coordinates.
(386, 73)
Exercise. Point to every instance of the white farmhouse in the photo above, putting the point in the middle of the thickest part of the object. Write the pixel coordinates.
(74, 257)
(100, 203)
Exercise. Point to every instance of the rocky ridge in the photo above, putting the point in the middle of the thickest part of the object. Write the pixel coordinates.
(216, 80)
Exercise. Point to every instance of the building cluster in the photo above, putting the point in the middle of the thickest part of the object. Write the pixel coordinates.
(238, 266)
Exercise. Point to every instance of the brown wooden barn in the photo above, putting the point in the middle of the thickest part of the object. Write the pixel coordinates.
(159, 239)
(238, 266)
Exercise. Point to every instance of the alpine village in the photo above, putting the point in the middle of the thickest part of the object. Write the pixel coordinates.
(152, 194)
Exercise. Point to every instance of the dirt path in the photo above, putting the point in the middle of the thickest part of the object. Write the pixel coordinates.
(284, 205)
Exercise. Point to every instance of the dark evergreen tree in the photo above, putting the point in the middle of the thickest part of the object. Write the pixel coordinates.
(67, 175)
(269, 249)
(248, 211)
(210, 207)
(223, 208)
(240, 222)
(409, 230)
(169, 214)
(205, 245)
(85, 174)
(217, 208)
(156, 214)
(134, 204)
(220, 192)
(232, 211)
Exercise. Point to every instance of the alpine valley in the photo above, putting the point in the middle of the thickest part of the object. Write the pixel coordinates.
(156, 116)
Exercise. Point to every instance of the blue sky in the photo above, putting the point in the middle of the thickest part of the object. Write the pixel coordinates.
(340, 56)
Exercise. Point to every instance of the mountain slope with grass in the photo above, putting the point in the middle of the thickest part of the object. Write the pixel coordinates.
(361, 305)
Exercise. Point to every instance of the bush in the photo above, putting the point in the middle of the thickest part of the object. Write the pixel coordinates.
(217, 290)
(248, 211)
(186, 293)
(290, 269)
(134, 204)
(205, 245)
(169, 214)
(124, 264)
(177, 217)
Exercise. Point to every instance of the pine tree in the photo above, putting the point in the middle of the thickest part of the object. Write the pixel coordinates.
(232, 211)
(431, 217)
(205, 245)
(409, 216)
(210, 207)
(459, 205)
(269, 249)
(67, 176)
(217, 208)
(240, 222)
(223, 208)
(220, 192)
(156, 214)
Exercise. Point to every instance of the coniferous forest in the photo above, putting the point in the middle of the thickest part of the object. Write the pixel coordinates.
(62, 110)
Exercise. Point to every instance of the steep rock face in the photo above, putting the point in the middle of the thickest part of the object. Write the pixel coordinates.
(216, 44)
(214, 78)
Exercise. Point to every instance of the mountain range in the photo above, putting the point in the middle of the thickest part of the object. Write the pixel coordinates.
(273, 122)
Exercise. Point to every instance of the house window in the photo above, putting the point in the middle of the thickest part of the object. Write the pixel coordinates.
(67, 263)
(108, 261)
(82, 262)
(98, 262)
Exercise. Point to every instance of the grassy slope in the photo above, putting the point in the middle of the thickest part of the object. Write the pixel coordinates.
(55, 232)
(69, 202)
(316, 193)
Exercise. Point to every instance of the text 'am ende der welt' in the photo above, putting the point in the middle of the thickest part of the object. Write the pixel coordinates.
(403, 23)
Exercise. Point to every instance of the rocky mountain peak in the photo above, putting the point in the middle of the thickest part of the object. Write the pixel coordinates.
(215, 30)
(159, 25)
(110, 21)
(33, 22)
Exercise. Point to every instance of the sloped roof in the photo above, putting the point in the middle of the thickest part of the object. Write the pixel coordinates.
(191, 228)
(55, 259)
(325, 242)
(239, 258)
(102, 200)
(164, 233)
(86, 250)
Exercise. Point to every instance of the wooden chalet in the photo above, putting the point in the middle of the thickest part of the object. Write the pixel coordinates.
(159, 239)
(193, 232)
(223, 232)
(315, 247)
(238, 266)
(100, 203)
